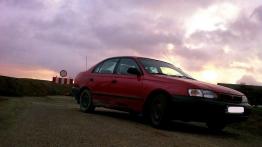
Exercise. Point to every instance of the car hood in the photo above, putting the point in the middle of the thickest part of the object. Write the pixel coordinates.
(201, 85)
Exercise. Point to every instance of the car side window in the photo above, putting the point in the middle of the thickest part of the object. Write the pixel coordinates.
(97, 68)
(124, 64)
(108, 66)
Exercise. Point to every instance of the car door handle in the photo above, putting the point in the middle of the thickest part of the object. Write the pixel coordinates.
(91, 79)
(114, 81)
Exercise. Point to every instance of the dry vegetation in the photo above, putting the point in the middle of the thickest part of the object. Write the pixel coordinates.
(31, 87)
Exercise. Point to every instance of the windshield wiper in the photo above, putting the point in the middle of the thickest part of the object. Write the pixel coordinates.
(182, 77)
(158, 73)
(174, 75)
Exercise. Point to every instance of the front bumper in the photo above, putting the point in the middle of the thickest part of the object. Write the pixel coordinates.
(202, 109)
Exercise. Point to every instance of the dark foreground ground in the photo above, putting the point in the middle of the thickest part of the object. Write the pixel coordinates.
(57, 121)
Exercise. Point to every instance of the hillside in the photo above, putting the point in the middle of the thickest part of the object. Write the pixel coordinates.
(30, 87)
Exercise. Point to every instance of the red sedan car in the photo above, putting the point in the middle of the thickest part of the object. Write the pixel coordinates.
(158, 90)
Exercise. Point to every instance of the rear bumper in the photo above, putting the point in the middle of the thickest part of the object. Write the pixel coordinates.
(76, 93)
(201, 109)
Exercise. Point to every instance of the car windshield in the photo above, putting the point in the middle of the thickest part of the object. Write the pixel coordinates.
(163, 68)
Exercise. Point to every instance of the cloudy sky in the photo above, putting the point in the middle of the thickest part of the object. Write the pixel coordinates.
(213, 40)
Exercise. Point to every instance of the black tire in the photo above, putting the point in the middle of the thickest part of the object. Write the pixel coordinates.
(158, 111)
(216, 126)
(86, 103)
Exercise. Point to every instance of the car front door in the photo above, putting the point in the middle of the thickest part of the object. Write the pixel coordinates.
(127, 88)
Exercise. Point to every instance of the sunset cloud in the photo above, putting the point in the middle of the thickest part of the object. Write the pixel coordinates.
(24, 72)
(215, 41)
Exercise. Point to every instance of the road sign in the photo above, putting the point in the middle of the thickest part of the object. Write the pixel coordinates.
(63, 73)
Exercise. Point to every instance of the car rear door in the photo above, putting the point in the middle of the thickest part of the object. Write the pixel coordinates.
(101, 82)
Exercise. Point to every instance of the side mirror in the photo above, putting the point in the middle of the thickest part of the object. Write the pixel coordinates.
(133, 71)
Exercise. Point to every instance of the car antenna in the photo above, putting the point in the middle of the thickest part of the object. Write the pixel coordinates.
(86, 63)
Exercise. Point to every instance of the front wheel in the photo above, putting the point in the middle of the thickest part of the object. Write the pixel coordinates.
(86, 103)
(159, 111)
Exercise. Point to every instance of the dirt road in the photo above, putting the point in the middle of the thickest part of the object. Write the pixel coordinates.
(57, 121)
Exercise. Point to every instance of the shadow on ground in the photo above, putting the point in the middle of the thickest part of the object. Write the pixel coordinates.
(174, 126)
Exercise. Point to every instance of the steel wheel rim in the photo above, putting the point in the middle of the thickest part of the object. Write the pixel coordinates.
(156, 110)
(85, 100)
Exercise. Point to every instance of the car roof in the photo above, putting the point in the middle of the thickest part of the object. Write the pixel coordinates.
(136, 57)
(132, 57)
(123, 57)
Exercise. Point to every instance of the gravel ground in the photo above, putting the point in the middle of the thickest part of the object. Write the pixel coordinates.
(57, 121)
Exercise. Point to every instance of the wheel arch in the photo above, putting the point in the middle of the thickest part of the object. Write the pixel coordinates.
(150, 96)
(80, 91)
(83, 88)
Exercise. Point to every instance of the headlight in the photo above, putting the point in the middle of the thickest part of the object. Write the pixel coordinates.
(195, 92)
(202, 93)
(244, 99)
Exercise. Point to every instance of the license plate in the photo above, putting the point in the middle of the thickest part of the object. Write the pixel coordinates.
(235, 109)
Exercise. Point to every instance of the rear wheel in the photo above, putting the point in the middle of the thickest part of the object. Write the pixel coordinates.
(216, 126)
(86, 103)
(158, 111)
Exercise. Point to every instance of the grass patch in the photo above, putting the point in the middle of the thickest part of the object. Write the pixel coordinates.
(9, 110)
(253, 125)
